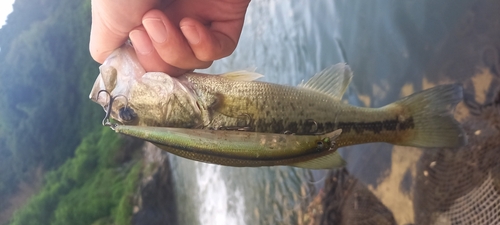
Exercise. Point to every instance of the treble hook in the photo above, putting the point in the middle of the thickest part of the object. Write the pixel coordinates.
(106, 121)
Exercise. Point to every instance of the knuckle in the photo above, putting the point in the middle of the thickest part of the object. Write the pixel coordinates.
(205, 65)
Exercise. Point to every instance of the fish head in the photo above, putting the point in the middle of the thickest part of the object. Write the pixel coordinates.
(132, 96)
(120, 79)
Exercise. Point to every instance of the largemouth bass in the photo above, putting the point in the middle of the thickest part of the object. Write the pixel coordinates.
(236, 102)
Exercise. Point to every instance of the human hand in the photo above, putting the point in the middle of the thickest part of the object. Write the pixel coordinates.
(172, 36)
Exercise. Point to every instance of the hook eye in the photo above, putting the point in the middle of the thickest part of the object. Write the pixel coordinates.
(320, 145)
(314, 125)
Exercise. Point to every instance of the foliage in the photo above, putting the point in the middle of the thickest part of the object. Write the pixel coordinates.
(90, 188)
(45, 76)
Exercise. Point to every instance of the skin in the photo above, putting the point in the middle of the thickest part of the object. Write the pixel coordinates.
(171, 36)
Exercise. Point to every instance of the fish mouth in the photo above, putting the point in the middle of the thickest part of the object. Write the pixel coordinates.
(98, 87)
(125, 115)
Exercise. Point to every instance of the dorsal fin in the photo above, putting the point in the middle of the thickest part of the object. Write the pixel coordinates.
(332, 80)
(242, 75)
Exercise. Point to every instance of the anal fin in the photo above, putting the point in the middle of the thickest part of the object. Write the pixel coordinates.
(330, 161)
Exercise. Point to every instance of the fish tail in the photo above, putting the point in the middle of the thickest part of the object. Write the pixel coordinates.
(432, 117)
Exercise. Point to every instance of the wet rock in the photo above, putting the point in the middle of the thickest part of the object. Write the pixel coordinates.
(155, 201)
(348, 201)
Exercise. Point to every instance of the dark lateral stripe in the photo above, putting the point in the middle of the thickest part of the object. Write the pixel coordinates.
(377, 127)
(310, 127)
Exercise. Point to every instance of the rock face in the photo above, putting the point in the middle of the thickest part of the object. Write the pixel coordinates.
(348, 201)
(155, 201)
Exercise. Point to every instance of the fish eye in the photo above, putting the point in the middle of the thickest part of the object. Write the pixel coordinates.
(127, 114)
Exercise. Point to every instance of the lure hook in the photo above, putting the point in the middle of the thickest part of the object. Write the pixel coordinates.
(315, 126)
(106, 121)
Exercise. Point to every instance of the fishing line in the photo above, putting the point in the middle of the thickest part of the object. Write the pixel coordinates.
(341, 50)
(317, 181)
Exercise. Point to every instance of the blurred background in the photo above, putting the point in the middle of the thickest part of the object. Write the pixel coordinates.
(58, 165)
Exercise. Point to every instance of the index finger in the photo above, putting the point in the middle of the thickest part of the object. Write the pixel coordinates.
(112, 20)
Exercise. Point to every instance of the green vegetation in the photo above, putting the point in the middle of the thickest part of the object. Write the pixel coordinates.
(94, 187)
(46, 74)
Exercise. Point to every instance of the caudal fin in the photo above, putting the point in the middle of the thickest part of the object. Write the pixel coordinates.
(433, 119)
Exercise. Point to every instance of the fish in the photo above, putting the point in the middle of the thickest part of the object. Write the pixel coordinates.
(236, 102)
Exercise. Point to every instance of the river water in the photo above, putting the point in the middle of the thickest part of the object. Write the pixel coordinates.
(394, 48)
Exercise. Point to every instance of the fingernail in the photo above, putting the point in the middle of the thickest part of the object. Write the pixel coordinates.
(141, 41)
(156, 30)
(191, 34)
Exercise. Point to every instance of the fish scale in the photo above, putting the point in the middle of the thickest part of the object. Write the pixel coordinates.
(281, 109)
